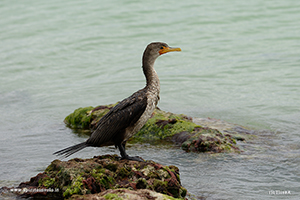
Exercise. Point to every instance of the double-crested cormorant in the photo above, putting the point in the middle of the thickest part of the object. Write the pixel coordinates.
(129, 116)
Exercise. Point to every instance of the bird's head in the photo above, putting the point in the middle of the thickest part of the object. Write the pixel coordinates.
(155, 49)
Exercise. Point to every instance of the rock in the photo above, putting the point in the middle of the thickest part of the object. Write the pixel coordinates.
(142, 194)
(184, 131)
(235, 131)
(104, 176)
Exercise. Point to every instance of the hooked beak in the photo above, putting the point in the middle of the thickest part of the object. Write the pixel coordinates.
(168, 49)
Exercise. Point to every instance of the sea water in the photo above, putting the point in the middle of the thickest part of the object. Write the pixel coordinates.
(239, 63)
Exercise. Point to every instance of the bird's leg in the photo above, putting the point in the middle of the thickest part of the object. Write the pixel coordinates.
(124, 154)
(122, 151)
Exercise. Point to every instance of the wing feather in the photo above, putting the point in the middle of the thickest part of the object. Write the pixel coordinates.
(124, 114)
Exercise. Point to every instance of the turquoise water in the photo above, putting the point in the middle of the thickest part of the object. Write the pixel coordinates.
(239, 63)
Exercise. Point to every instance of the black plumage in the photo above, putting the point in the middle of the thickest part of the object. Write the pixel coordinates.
(128, 116)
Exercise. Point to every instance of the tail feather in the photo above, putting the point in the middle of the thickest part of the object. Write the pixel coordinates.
(70, 150)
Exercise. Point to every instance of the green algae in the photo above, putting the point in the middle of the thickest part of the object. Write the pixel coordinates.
(83, 118)
(112, 197)
(163, 128)
(142, 183)
(160, 186)
(47, 182)
(123, 172)
(53, 166)
(102, 178)
(75, 187)
(112, 167)
(79, 118)
(163, 125)
(141, 194)
(101, 173)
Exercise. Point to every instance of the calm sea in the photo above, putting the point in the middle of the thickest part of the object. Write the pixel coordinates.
(240, 62)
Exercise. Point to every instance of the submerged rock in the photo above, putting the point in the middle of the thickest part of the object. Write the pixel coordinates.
(184, 131)
(104, 176)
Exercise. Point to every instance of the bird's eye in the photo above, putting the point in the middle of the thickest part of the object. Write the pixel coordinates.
(162, 47)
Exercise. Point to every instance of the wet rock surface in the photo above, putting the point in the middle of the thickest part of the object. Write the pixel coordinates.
(191, 134)
(119, 194)
(104, 176)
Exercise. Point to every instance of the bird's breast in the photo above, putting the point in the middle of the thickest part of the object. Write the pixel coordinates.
(152, 100)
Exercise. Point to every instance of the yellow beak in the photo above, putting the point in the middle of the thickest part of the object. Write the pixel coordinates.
(168, 49)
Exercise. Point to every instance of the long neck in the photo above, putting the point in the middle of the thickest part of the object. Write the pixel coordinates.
(150, 74)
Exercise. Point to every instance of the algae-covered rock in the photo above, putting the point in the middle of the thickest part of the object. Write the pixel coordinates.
(164, 127)
(235, 131)
(79, 118)
(87, 117)
(63, 179)
(121, 194)
(209, 140)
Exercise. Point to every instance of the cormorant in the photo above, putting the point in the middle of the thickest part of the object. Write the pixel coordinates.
(129, 116)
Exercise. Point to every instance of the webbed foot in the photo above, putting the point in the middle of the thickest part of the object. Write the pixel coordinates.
(124, 155)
